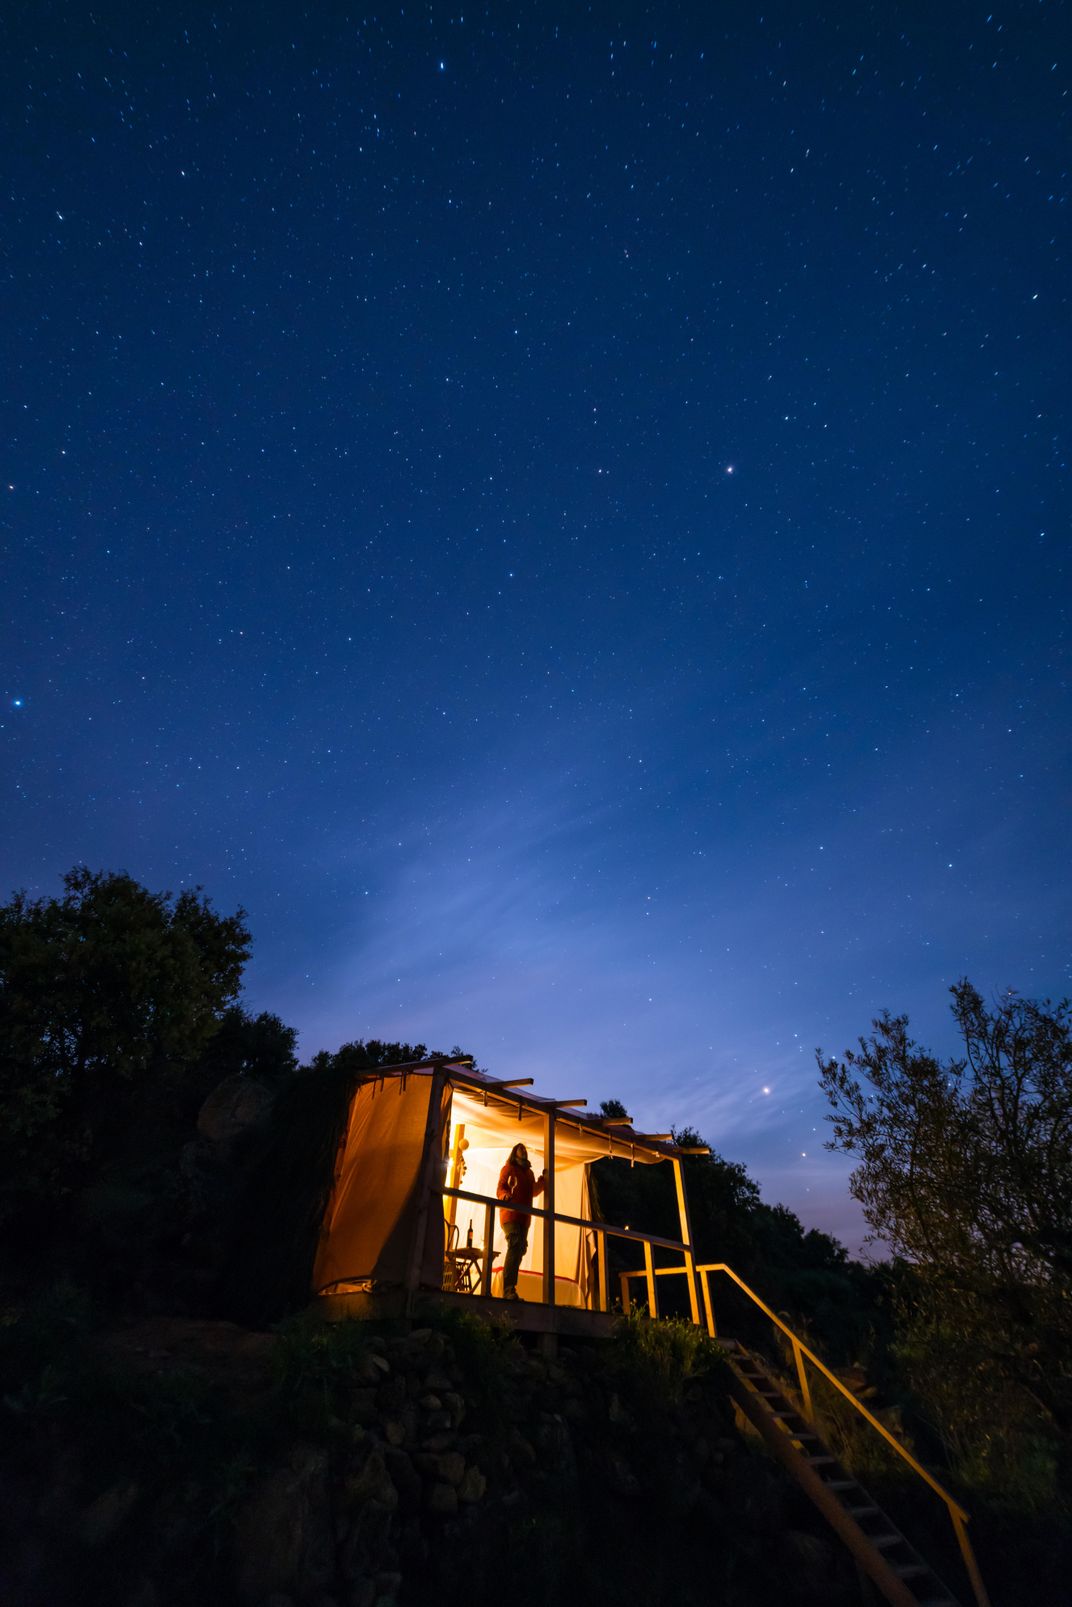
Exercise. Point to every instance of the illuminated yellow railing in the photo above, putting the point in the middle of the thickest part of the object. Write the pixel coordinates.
(801, 1355)
(602, 1231)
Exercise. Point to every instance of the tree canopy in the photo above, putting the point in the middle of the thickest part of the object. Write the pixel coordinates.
(965, 1170)
(106, 992)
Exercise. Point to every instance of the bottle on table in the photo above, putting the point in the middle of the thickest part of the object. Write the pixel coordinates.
(469, 1236)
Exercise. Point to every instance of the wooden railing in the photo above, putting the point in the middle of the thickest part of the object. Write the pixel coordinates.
(602, 1231)
(802, 1357)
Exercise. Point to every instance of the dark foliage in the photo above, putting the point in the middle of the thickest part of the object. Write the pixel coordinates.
(965, 1169)
(109, 997)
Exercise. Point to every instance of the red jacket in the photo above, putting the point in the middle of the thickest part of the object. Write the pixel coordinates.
(519, 1185)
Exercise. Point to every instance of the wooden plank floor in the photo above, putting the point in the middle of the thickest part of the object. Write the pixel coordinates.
(526, 1316)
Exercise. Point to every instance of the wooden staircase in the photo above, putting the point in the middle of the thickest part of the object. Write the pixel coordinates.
(890, 1561)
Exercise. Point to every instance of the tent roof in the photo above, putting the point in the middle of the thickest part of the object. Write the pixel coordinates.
(611, 1135)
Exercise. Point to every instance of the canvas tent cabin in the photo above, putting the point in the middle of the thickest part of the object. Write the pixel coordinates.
(413, 1214)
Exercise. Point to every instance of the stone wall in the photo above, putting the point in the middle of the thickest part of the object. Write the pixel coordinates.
(446, 1466)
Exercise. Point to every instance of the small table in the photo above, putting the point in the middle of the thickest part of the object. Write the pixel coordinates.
(461, 1271)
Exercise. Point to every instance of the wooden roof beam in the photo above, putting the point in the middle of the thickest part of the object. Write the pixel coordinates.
(567, 1104)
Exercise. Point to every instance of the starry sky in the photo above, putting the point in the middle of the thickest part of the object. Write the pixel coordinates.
(561, 511)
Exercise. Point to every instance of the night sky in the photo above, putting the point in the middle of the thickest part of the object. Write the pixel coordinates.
(561, 512)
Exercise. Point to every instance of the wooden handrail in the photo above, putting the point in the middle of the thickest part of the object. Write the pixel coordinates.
(957, 1514)
(720, 1266)
(573, 1221)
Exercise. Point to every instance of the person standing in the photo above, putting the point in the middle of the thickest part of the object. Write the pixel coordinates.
(517, 1186)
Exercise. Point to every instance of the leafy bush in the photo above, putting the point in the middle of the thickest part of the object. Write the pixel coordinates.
(665, 1354)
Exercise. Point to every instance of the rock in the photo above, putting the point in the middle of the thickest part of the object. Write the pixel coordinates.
(473, 1486)
(236, 1106)
(405, 1478)
(283, 1540)
(521, 1450)
(394, 1431)
(372, 1368)
(455, 1405)
(368, 1543)
(107, 1514)
(451, 1467)
(391, 1395)
(370, 1481)
(363, 1408)
(442, 1499)
(437, 1382)
(438, 1442)
(431, 1403)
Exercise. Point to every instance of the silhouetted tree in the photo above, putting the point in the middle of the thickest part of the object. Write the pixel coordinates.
(108, 996)
(965, 1170)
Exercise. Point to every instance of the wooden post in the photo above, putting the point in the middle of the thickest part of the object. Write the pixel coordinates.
(549, 1207)
(649, 1268)
(489, 1249)
(970, 1563)
(601, 1260)
(709, 1313)
(426, 1175)
(805, 1392)
(626, 1297)
(686, 1238)
(456, 1172)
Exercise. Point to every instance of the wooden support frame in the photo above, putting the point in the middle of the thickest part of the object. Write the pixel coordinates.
(549, 1219)
(601, 1271)
(429, 1162)
(649, 1271)
(686, 1237)
(489, 1249)
(455, 1171)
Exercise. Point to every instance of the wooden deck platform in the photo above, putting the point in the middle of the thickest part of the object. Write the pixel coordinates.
(525, 1316)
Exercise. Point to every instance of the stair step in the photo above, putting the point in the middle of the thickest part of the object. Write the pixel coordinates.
(862, 1512)
(882, 1542)
(910, 1570)
(820, 1461)
(844, 1484)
